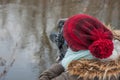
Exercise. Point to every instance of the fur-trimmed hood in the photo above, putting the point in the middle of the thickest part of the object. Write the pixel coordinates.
(91, 69)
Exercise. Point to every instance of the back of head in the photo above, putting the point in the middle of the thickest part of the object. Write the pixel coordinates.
(84, 32)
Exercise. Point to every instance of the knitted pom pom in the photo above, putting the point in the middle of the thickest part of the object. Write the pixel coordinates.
(101, 48)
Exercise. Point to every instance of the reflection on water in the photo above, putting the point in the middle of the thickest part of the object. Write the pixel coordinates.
(25, 26)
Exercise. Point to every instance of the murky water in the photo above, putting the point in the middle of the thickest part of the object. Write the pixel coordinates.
(25, 26)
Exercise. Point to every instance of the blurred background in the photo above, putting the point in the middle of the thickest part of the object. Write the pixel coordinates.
(25, 26)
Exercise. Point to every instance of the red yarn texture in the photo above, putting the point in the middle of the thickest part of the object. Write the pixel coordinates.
(81, 30)
(101, 48)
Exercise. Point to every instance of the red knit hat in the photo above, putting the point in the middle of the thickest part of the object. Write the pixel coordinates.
(84, 32)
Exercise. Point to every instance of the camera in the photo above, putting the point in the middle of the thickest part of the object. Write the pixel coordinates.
(58, 39)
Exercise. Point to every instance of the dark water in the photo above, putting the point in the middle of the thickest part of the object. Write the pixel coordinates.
(25, 26)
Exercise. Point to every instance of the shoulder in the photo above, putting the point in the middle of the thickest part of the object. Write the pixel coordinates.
(65, 76)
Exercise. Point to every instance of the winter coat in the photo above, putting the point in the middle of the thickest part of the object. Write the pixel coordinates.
(84, 70)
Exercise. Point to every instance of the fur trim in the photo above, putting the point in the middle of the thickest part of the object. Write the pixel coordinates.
(91, 69)
(116, 34)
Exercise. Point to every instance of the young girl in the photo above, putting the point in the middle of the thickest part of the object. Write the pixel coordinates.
(93, 53)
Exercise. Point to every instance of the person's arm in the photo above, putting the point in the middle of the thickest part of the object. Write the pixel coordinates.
(54, 71)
